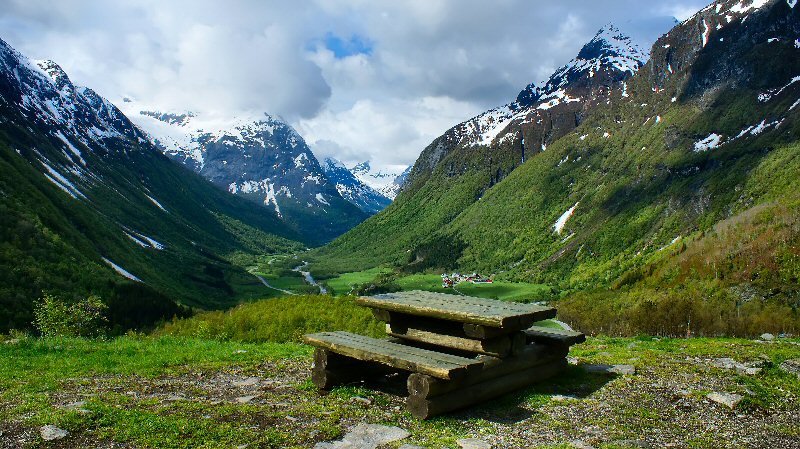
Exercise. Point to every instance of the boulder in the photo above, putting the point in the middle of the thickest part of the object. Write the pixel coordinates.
(366, 436)
(473, 443)
(51, 432)
(792, 366)
(730, 400)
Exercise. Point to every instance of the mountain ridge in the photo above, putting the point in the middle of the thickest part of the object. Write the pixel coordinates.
(90, 206)
(258, 156)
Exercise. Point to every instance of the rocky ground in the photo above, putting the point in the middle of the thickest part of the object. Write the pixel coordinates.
(630, 393)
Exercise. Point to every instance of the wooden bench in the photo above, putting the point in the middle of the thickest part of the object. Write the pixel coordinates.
(547, 335)
(456, 350)
(409, 358)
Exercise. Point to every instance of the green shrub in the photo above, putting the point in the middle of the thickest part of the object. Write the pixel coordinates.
(283, 319)
(54, 317)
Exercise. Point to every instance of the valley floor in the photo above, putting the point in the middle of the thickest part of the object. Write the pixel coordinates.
(167, 392)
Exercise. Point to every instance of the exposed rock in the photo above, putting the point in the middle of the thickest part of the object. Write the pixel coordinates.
(366, 436)
(728, 363)
(767, 337)
(51, 432)
(411, 446)
(578, 444)
(473, 443)
(610, 369)
(361, 400)
(247, 382)
(792, 366)
(729, 400)
(245, 399)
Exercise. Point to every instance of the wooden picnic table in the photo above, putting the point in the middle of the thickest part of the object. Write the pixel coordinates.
(456, 350)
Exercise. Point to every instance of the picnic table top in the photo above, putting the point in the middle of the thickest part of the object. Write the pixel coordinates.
(464, 309)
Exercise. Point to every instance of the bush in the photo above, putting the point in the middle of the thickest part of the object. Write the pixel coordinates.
(283, 319)
(83, 318)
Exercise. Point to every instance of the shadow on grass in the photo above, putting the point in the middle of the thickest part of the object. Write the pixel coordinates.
(573, 383)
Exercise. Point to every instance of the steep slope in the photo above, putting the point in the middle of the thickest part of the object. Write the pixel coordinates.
(89, 206)
(707, 130)
(455, 170)
(353, 189)
(681, 193)
(261, 158)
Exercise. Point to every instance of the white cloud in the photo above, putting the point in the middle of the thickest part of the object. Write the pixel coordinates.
(426, 64)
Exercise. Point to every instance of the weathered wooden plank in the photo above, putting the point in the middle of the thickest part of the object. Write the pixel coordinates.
(546, 335)
(439, 365)
(464, 309)
(497, 347)
(533, 355)
(483, 332)
(423, 408)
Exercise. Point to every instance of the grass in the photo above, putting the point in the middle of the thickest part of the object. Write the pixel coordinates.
(126, 384)
(502, 290)
(283, 319)
(344, 283)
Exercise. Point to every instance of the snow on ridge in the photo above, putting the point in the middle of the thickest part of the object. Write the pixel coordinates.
(71, 147)
(709, 143)
(121, 270)
(772, 93)
(558, 226)
(155, 202)
(321, 199)
(61, 181)
(753, 4)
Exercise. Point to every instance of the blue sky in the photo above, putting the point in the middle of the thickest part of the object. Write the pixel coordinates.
(344, 47)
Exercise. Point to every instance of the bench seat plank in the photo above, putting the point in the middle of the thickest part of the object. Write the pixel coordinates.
(435, 364)
(464, 309)
(547, 335)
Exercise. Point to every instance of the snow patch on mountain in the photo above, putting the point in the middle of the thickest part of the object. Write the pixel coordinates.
(558, 226)
(121, 270)
(709, 143)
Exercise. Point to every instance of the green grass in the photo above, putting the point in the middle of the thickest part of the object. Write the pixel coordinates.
(38, 365)
(283, 319)
(342, 284)
(124, 382)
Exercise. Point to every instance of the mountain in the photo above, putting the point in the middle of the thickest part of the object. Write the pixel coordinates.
(383, 181)
(353, 189)
(393, 189)
(675, 198)
(88, 205)
(457, 168)
(259, 157)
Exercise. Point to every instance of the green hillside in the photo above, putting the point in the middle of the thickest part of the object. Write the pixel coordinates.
(653, 206)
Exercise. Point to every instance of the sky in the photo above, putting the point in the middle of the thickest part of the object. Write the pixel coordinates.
(360, 80)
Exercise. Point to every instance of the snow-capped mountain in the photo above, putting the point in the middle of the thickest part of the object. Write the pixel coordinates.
(258, 156)
(384, 181)
(541, 115)
(87, 199)
(393, 189)
(353, 189)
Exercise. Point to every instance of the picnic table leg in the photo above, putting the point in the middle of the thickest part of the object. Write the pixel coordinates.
(331, 369)
(425, 407)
